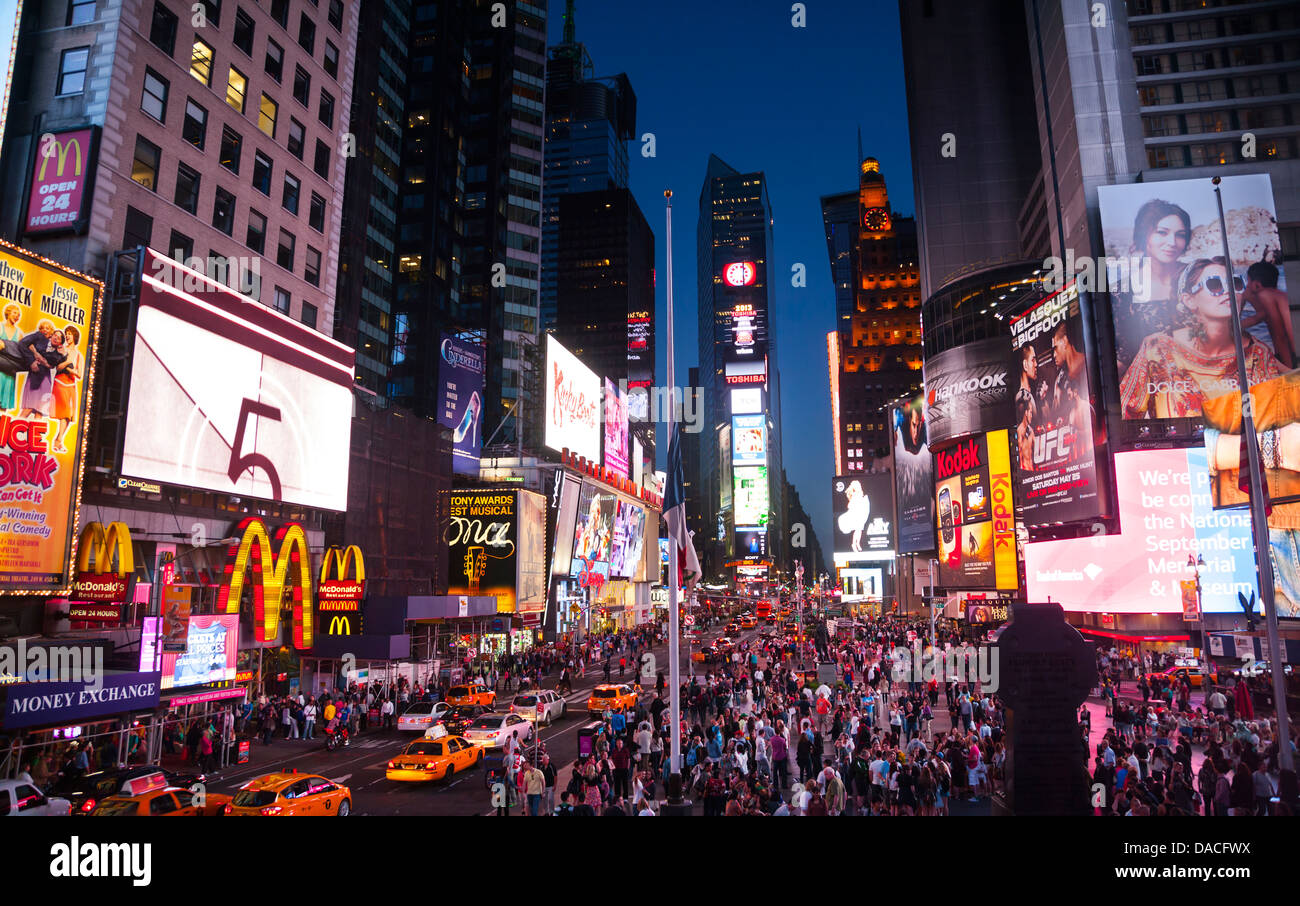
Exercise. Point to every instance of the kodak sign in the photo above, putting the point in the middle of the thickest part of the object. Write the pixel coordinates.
(341, 593)
(1004, 511)
(251, 557)
(110, 577)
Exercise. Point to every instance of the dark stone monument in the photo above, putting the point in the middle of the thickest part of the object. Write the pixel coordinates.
(1045, 671)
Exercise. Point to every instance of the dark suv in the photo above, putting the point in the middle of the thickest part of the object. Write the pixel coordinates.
(88, 790)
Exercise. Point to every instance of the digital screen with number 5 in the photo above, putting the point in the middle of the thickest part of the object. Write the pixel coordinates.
(230, 396)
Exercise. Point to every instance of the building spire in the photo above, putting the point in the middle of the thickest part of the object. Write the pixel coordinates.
(569, 27)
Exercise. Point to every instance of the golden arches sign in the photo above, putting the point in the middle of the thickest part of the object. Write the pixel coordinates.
(59, 150)
(104, 543)
(342, 560)
(271, 572)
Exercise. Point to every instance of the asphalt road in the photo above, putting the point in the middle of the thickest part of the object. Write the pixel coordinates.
(361, 765)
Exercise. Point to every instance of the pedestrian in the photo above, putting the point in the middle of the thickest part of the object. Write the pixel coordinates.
(309, 713)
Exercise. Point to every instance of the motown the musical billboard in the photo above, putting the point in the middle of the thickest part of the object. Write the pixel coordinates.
(47, 323)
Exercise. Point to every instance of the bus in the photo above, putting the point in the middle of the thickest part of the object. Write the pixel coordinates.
(763, 609)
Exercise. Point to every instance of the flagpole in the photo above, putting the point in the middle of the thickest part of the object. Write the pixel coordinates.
(674, 619)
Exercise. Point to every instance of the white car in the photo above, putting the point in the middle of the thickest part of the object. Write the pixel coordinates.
(552, 706)
(420, 716)
(492, 730)
(18, 797)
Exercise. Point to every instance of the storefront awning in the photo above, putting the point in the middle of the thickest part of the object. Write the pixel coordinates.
(1134, 638)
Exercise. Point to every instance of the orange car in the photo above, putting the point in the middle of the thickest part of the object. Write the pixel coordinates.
(611, 698)
(166, 801)
(434, 758)
(473, 694)
(748, 622)
(291, 793)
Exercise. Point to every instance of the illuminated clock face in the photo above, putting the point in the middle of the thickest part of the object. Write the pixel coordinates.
(876, 219)
(740, 273)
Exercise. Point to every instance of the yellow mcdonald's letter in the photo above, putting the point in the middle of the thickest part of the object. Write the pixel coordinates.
(342, 560)
(340, 625)
(104, 544)
(270, 573)
(61, 150)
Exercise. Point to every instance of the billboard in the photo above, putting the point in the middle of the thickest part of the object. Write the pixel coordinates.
(861, 583)
(572, 403)
(1169, 299)
(105, 583)
(629, 540)
(751, 500)
(1275, 407)
(211, 646)
(749, 440)
(913, 478)
(974, 503)
(48, 318)
(1166, 514)
(593, 533)
(746, 400)
(863, 505)
(531, 559)
(748, 331)
(62, 178)
(460, 400)
(272, 573)
(1057, 429)
(482, 545)
(751, 543)
(966, 390)
(566, 502)
(748, 373)
(616, 436)
(228, 395)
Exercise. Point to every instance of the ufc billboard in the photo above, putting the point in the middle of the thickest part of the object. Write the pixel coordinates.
(967, 391)
(61, 178)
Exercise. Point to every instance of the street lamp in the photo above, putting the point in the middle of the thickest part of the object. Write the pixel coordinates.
(1195, 563)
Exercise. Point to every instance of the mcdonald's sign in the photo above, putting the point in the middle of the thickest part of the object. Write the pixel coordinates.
(340, 593)
(105, 583)
(63, 166)
(340, 624)
(290, 565)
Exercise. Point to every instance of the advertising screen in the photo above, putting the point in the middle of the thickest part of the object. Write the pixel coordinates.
(482, 545)
(530, 582)
(47, 325)
(751, 543)
(460, 402)
(1165, 514)
(10, 16)
(966, 390)
(212, 644)
(1057, 430)
(62, 173)
(572, 403)
(629, 540)
(594, 530)
(1275, 407)
(913, 478)
(616, 436)
(231, 396)
(565, 519)
(751, 500)
(975, 514)
(1169, 299)
(750, 373)
(861, 583)
(748, 331)
(749, 440)
(746, 400)
(864, 517)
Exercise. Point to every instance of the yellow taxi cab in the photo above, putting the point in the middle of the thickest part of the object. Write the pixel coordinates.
(611, 697)
(151, 795)
(291, 793)
(436, 757)
(749, 622)
(473, 694)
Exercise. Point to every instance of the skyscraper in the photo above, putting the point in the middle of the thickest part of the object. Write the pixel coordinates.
(740, 454)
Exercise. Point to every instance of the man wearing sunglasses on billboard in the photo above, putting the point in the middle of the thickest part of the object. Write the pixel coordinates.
(1271, 308)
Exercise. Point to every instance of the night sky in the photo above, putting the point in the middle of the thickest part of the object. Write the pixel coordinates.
(734, 78)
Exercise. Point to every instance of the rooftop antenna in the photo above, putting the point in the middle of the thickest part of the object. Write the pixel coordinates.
(569, 28)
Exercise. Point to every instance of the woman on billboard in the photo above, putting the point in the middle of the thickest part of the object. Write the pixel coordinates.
(1177, 368)
(10, 331)
(854, 518)
(1161, 231)
(66, 376)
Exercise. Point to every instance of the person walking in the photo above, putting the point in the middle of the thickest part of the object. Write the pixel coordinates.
(309, 713)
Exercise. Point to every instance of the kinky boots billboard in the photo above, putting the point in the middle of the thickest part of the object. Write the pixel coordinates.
(975, 514)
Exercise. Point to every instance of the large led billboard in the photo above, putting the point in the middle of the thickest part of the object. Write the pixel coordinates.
(1165, 515)
(626, 552)
(48, 327)
(567, 488)
(483, 545)
(460, 401)
(975, 510)
(1275, 407)
(593, 536)
(746, 400)
(749, 440)
(573, 407)
(863, 505)
(751, 500)
(231, 396)
(913, 478)
(1057, 429)
(966, 390)
(531, 575)
(616, 430)
(1169, 295)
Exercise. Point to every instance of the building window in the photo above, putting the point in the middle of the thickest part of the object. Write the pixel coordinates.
(256, 232)
(274, 60)
(162, 31)
(201, 62)
(322, 164)
(144, 169)
(282, 300)
(301, 86)
(195, 129)
(244, 29)
(316, 213)
(292, 189)
(309, 315)
(267, 111)
(138, 229)
(311, 271)
(280, 12)
(262, 173)
(296, 138)
(236, 89)
(223, 211)
(187, 189)
(331, 62)
(326, 114)
(231, 143)
(212, 11)
(81, 12)
(307, 33)
(72, 70)
(336, 14)
(180, 246)
(284, 254)
(153, 100)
